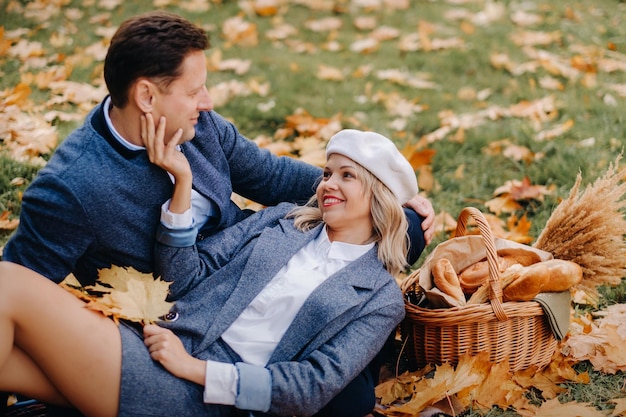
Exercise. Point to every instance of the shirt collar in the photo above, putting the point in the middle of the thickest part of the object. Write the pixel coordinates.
(339, 250)
(116, 135)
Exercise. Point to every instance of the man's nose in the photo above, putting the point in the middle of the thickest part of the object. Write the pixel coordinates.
(205, 103)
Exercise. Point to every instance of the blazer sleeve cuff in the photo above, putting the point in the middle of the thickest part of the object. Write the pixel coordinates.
(177, 238)
(254, 391)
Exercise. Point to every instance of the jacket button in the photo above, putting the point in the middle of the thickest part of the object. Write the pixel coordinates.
(171, 316)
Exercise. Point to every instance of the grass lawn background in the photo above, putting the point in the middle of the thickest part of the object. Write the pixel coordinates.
(407, 69)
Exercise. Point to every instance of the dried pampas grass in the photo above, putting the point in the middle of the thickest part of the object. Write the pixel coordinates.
(590, 229)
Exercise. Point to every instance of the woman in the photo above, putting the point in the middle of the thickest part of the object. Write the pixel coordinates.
(288, 308)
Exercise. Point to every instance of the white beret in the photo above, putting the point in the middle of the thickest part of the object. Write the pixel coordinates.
(378, 155)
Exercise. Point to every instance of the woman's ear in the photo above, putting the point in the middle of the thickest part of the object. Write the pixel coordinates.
(143, 94)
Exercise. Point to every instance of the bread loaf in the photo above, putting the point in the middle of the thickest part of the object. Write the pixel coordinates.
(563, 275)
(477, 274)
(554, 275)
(521, 256)
(529, 283)
(481, 295)
(472, 277)
(446, 279)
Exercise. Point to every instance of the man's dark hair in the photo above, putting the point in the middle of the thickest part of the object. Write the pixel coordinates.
(151, 45)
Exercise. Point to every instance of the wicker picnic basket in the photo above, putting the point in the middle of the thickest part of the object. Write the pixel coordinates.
(518, 332)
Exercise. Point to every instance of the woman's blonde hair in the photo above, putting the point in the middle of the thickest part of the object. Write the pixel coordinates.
(389, 221)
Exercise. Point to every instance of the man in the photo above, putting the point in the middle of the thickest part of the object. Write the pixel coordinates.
(95, 203)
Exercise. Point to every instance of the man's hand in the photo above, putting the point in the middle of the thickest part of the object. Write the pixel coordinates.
(170, 158)
(166, 156)
(424, 208)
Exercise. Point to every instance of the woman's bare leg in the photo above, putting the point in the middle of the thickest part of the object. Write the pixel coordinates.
(78, 350)
(28, 379)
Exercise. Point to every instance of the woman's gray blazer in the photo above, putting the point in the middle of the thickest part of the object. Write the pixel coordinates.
(338, 331)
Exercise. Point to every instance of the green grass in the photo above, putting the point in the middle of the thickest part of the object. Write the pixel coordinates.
(14, 177)
(581, 24)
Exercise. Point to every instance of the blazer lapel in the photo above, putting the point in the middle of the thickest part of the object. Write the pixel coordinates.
(326, 311)
(208, 178)
(281, 242)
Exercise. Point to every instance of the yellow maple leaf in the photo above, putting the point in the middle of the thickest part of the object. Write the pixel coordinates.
(613, 350)
(124, 293)
(522, 190)
(555, 131)
(5, 44)
(17, 96)
(518, 229)
(471, 371)
(444, 223)
(266, 7)
(540, 380)
(399, 387)
(137, 296)
(418, 157)
(553, 408)
(496, 387)
(240, 32)
(503, 204)
(305, 124)
(479, 383)
(143, 302)
(365, 45)
(599, 341)
(620, 406)
(426, 392)
(328, 73)
(425, 179)
(446, 382)
(104, 306)
(6, 223)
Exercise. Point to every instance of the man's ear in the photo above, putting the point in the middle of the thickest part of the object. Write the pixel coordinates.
(143, 94)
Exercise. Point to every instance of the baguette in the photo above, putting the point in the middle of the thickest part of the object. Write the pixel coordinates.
(563, 275)
(554, 275)
(529, 283)
(477, 274)
(482, 294)
(472, 277)
(446, 279)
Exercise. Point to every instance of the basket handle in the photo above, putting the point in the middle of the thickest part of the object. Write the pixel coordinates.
(495, 289)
